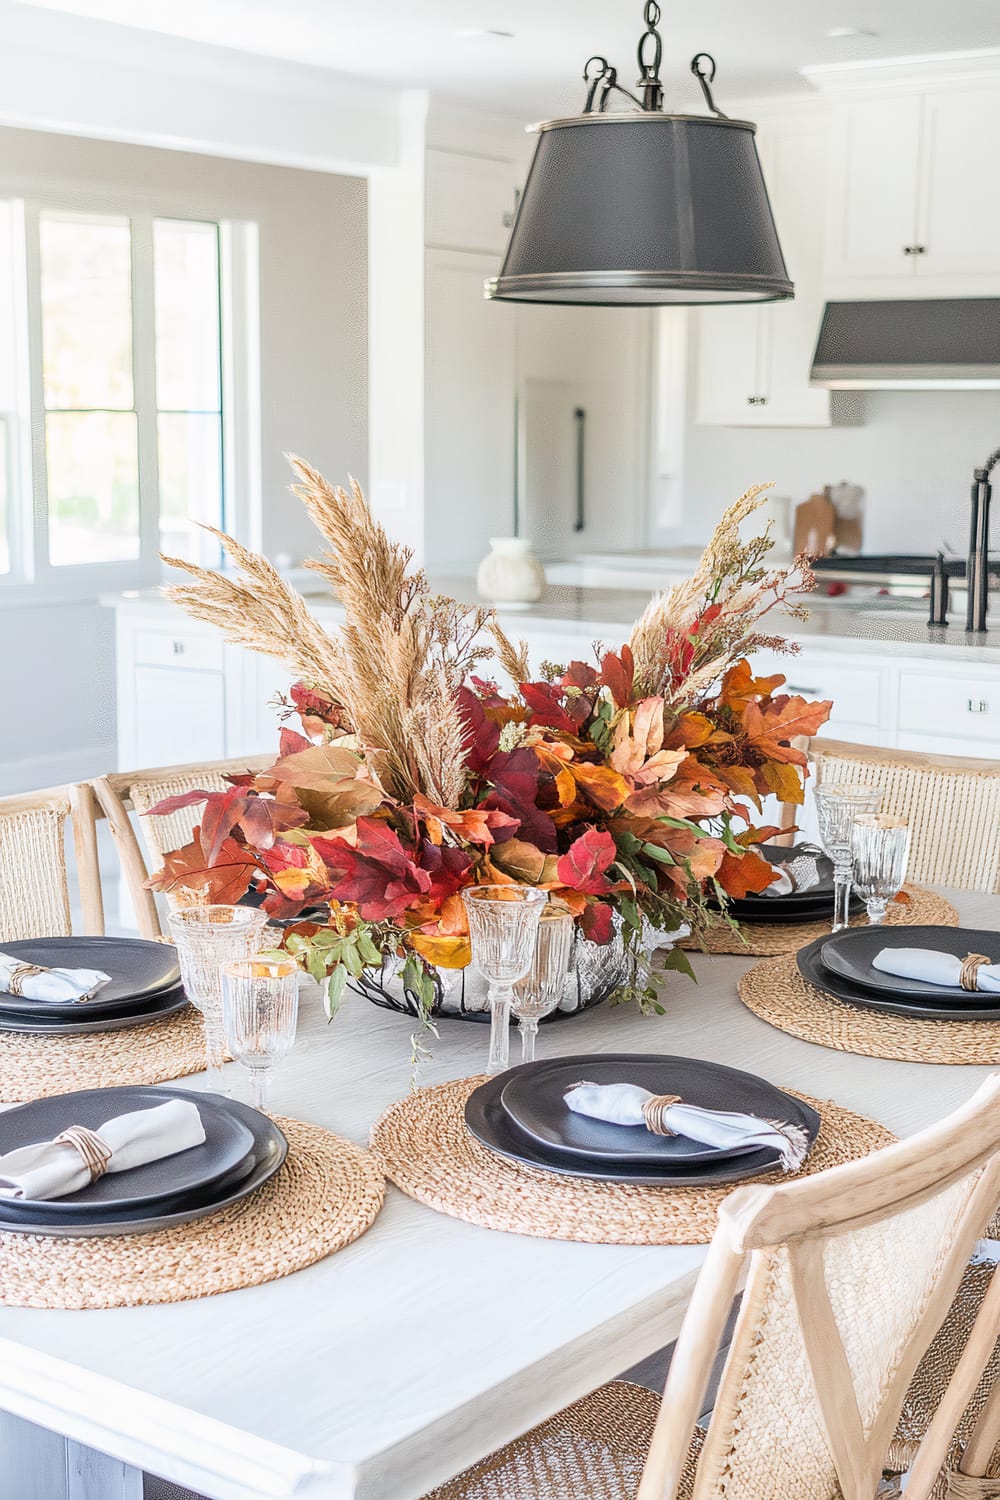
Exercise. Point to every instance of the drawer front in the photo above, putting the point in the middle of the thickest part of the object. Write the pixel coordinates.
(180, 648)
(856, 693)
(951, 707)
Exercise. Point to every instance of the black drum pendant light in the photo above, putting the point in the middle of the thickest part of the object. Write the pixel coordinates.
(639, 206)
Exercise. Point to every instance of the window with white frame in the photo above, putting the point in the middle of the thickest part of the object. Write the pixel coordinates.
(112, 394)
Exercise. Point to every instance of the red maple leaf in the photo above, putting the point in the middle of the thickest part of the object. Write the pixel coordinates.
(375, 873)
(597, 922)
(583, 865)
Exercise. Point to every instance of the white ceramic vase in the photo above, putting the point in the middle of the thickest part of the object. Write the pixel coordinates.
(511, 573)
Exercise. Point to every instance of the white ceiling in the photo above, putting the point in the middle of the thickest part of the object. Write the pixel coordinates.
(759, 47)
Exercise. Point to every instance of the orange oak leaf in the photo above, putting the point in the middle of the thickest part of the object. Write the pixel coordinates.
(771, 726)
(744, 875)
(476, 825)
(739, 685)
(226, 880)
(602, 785)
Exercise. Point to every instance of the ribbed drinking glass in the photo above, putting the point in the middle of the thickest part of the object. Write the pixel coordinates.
(260, 1002)
(503, 923)
(837, 806)
(881, 845)
(206, 937)
(541, 989)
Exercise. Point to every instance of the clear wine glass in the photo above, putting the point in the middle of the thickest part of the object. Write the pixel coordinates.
(207, 937)
(260, 999)
(503, 922)
(541, 989)
(880, 845)
(837, 806)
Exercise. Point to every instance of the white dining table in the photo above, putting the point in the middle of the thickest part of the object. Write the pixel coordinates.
(382, 1370)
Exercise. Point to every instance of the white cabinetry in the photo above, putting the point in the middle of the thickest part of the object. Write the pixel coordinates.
(912, 207)
(754, 362)
(470, 202)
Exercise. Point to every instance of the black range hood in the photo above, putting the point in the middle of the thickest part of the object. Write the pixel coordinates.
(917, 343)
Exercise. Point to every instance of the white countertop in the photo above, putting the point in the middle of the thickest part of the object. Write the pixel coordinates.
(378, 1372)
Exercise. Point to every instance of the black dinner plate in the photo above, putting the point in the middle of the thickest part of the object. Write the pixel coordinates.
(139, 970)
(810, 965)
(534, 1098)
(849, 955)
(490, 1123)
(798, 906)
(154, 1008)
(266, 1155)
(227, 1146)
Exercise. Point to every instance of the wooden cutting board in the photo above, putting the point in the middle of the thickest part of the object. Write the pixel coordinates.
(815, 526)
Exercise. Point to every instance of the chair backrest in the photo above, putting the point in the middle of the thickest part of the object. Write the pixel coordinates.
(952, 804)
(849, 1274)
(140, 791)
(34, 879)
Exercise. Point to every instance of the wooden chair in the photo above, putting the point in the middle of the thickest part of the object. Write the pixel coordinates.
(34, 880)
(952, 804)
(848, 1276)
(138, 791)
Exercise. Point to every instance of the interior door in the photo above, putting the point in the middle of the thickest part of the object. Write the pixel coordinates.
(552, 466)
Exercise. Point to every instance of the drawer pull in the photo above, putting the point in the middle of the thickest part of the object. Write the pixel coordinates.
(978, 706)
(803, 692)
(178, 648)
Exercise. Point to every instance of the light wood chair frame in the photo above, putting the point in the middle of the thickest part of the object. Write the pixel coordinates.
(799, 1217)
(76, 801)
(112, 795)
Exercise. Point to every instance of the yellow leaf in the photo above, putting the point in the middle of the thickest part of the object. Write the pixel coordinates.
(444, 952)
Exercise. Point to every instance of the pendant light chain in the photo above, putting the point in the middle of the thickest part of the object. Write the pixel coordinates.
(648, 82)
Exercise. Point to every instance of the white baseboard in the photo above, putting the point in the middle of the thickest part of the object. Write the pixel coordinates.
(56, 768)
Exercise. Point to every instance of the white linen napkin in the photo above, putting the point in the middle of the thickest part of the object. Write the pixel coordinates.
(51, 984)
(622, 1104)
(794, 875)
(934, 967)
(52, 1169)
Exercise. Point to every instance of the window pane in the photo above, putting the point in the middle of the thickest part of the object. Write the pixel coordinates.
(4, 497)
(86, 311)
(190, 448)
(93, 478)
(186, 267)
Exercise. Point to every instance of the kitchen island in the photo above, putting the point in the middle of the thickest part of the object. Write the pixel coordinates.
(184, 694)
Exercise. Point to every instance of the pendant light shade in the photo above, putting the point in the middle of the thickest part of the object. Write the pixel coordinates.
(643, 207)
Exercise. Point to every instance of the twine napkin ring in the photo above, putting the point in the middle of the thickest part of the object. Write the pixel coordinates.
(654, 1110)
(95, 1153)
(969, 972)
(18, 974)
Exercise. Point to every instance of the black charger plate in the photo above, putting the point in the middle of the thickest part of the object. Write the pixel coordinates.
(266, 1156)
(534, 1098)
(798, 906)
(154, 1008)
(849, 955)
(228, 1145)
(139, 971)
(489, 1122)
(815, 973)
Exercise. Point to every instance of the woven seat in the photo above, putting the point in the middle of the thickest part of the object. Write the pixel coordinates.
(139, 791)
(34, 879)
(850, 1274)
(951, 803)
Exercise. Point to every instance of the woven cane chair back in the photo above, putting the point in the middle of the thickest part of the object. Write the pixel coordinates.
(34, 878)
(140, 791)
(951, 803)
(850, 1274)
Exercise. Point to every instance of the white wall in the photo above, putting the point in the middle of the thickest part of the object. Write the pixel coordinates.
(914, 455)
(57, 664)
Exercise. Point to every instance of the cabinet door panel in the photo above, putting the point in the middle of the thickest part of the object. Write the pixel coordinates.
(179, 716)
(873, 213)
(470, 202)
(960, 208)
(730, 379)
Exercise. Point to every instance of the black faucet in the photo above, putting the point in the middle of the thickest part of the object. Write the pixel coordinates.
(977, 574)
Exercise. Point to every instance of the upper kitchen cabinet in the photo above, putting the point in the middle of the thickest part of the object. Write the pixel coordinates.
(754, 361)
(911, 198)
(470, 202)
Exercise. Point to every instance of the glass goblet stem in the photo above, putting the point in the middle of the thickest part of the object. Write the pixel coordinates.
(841, 897)
(500, 999)
(215, 1049)
(260, 1088)
(875, 907)
(529, 1032)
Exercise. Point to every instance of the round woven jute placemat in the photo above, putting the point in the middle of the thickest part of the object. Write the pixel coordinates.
(765, 940)
(327, 1193)
(776, 991)
(429, 1153)
(33, 1067)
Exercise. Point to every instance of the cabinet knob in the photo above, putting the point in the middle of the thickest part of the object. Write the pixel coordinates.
(508, 219)
(914, 249)
(178, 648)
(978, 706)
(756, 401)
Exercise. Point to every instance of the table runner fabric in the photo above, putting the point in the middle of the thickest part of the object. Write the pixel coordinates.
(765, 940)
(326, 1195)
(776, 991)
(428, 1152)
(35, 1066)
